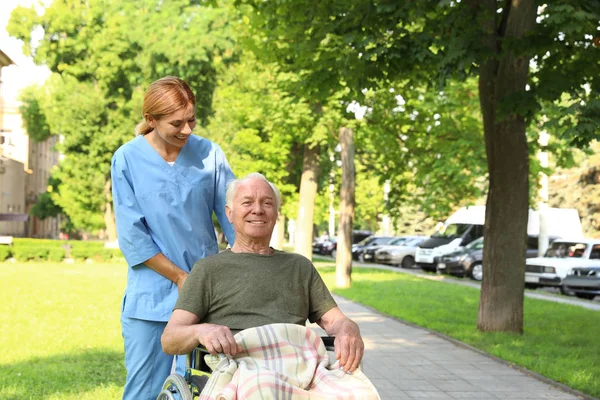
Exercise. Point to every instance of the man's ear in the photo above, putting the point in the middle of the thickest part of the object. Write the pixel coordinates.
(228, 213)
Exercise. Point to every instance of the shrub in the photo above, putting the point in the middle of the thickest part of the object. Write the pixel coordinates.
(82, 250)
(56, 254)
(5, 252)
(47, 243)
(24, 253)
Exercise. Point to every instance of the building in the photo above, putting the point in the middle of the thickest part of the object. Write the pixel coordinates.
(24, 170)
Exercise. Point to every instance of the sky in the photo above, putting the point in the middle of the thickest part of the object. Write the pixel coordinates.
(25, 72)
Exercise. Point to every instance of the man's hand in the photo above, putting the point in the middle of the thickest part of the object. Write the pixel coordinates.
(218, 339)
(349, 347)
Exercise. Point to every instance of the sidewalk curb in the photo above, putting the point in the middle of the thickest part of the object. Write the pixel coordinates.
(458, 343)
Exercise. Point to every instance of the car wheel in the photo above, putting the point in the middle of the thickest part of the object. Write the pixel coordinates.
(565, 291)
(361, 258)
(408, 262)
(587, 296)
(476, 272)
(531, 286)
(334, 253)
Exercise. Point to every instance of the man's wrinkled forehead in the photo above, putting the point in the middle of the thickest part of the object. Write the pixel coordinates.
(251, 188)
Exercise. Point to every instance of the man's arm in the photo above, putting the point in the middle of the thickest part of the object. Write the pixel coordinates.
(184, 333)
(349, 347)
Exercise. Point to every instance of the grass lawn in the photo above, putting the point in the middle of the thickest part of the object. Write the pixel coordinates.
(560, 341)
(61, 336)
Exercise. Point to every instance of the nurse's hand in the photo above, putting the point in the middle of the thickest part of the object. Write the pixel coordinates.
(181, 281)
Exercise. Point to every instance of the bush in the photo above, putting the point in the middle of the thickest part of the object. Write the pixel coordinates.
(47, 243)
(82, 250)
(56, 254)
(24, 253)
(5, 252)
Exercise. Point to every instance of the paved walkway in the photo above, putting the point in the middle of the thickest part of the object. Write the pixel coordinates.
(407, 362)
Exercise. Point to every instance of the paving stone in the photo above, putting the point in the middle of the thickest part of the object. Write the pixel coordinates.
(407, 362)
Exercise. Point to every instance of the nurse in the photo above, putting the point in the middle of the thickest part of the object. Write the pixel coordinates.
(166, 185)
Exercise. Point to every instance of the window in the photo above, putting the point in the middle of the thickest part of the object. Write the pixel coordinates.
(566, 249)
(452, 231)
(595, 254)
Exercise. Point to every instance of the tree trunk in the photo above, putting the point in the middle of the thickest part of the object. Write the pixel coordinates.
(278, 233)
(109, 216)
(501, 301)
(306, 206)
(344, 243)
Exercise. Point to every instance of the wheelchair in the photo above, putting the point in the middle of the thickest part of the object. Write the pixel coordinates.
(197, 372)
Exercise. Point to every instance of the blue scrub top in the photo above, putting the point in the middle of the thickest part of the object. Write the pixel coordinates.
(166, 209)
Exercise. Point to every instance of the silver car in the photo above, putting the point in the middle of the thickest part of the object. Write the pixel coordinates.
(402, 255)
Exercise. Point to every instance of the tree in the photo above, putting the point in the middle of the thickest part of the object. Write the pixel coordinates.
(365, 44)
(101, 62)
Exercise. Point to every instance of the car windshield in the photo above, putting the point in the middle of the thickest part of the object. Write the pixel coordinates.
(366, 241)
(398, 241)
(566, 249)
(475, 245)
(412, 242)
(381, 240)
(451, 231)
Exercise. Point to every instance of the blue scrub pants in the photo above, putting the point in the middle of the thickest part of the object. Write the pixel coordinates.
(146, 363)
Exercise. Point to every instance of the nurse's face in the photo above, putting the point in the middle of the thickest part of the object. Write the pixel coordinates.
(175, 128)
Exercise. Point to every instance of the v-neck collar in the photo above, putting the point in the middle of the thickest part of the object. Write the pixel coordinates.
(159, 158)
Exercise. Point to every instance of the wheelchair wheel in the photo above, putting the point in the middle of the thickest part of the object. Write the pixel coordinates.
(165, 395)
(175, 384)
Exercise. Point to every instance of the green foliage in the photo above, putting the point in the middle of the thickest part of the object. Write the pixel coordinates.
(33, 117)
(101, 62)
(50, 243)
(428, 144)
(45, 206)
(25, 249)
(56, 255)
(83, 250)
(422, 49)
(30, 253)
(5, 252)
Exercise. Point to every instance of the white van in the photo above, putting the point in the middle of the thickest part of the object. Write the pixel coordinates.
(466, 225)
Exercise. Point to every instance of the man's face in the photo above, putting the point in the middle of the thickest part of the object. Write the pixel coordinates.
(253, 211)
(175, 128)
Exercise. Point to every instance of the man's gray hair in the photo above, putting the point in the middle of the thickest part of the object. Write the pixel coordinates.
(232, 187)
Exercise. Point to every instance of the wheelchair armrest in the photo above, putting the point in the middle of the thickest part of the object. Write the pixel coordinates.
(328, 342)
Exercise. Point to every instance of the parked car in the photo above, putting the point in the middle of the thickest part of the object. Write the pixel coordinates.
(560, 258)
(325, 247)
(358, 250)
(400, 254)
(583, 282)
(465, 262)
(469, 261)
(329, 246)
(369, 251)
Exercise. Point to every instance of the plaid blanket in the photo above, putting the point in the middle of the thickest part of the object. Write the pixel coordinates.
(282, 361)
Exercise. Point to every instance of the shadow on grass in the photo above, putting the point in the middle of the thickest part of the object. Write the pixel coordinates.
(77, 372)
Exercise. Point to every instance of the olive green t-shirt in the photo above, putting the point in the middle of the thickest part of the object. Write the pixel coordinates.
(245, 290)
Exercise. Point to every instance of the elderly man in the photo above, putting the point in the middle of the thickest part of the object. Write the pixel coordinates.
(252, 285)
